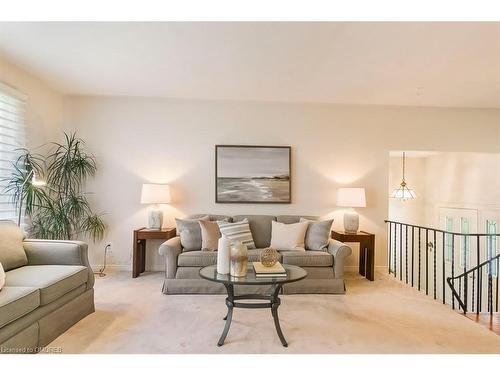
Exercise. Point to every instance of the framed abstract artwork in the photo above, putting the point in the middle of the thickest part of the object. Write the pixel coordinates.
(252, 174)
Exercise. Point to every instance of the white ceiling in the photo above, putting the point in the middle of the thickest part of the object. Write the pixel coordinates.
(420, 64)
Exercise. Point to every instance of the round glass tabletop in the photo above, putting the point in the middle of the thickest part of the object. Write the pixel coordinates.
(293, 273)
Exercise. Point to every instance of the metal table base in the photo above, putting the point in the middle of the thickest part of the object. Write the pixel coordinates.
(273, 304)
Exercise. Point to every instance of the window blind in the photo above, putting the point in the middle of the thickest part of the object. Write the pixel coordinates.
(12, 137)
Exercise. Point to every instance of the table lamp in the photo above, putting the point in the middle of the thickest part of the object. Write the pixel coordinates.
(351, 197)
(155, 194)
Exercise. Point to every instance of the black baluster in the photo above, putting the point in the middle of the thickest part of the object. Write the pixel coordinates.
(465, 270)
(465, 292)
(412, 253)
(406, 254)
(419, 256)
(479, 290)
(400, 252)
(479, 278)
(490, 279)
(395, 248)
(444, 268)
(460, 288)
(453, 269)
(496, 293)
(435, 251)
(473, 286)
(390, 244)
(490, 293)
(427, 262)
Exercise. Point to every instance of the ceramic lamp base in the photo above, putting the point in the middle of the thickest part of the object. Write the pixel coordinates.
(155, 220)
(351, 222)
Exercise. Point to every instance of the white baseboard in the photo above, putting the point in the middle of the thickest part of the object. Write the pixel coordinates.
(124, 268)
(112, 267)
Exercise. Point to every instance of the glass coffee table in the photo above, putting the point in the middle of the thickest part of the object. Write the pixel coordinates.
(293, 273)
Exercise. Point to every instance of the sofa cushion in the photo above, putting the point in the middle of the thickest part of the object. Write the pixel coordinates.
(16, 302)
(210, 217)
(197, 258)
(190, 232)
(53, 281)
(290, 219)
(12, 253)
(260, 226)
(307, 258)
(2, 276)
(210, 234)
(237, 232)
(206, 258)
(318, 234)
(289, 236)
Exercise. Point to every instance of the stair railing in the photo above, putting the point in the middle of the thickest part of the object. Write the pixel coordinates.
(477, 271)
(449, 266)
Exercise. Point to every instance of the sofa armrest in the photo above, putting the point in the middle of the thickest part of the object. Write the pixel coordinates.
(48, 252)
(171, 249)
(340, 251)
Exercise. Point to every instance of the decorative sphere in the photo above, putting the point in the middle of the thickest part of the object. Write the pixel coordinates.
(269, 257)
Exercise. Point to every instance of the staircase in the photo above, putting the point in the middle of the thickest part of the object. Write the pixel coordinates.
(487, 320)
(460, 270)
(459, 286)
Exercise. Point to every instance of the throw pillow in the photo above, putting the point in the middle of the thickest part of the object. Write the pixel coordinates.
(318, 234)
(2, 277)
(288, 236)
(239, 231)
(210, 235)
(12, 253)
(190, 232)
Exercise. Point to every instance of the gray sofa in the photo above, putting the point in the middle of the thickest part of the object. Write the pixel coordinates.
(325, 268)
(46, 291)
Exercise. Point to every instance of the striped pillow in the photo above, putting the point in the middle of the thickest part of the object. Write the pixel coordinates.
(239, 231)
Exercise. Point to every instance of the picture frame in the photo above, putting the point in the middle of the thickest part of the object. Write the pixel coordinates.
(253, 174)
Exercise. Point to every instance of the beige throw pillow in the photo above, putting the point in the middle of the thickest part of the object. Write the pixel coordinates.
(2, 277)
(210, 235)
(288, 236)
(12, 253)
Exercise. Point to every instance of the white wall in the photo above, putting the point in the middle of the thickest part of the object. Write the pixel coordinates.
(165, 140)
(44, 106)
(463, 180)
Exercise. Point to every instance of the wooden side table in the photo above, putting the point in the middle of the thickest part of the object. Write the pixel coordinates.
(366, 250)
(139, 248)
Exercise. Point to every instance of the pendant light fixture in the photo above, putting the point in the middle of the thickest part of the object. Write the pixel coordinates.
(403, 192)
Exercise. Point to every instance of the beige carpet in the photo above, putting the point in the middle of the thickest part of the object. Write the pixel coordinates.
(132, 316)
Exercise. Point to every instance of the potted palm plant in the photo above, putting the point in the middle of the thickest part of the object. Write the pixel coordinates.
(56, 208)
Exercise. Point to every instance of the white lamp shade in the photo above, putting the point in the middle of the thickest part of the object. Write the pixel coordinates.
(403, 193)
(155, 193)
(351, 197)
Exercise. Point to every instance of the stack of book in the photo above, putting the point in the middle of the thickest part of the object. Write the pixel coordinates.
(274, 271)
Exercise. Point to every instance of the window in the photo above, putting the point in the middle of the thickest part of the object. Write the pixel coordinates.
(12, 137)
(465, 242)
(448, 239)
(491, 246)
